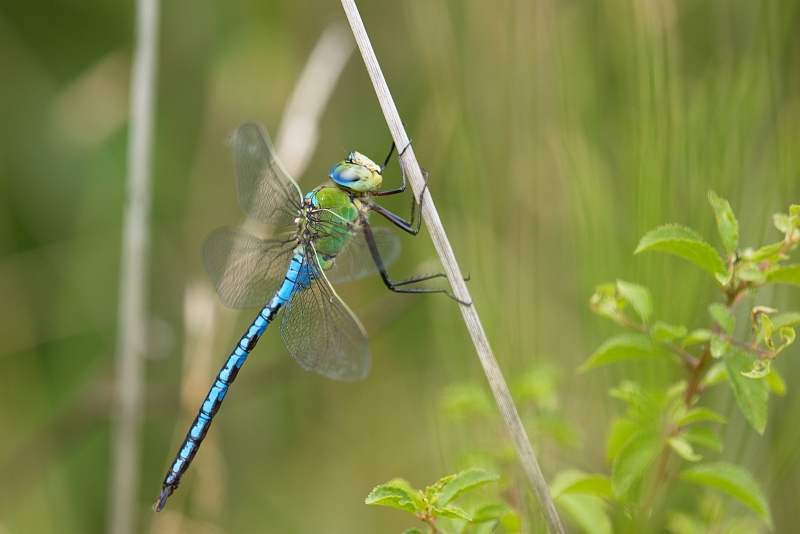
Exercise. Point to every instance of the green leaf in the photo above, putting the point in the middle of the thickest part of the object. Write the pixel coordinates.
(760, 369)
(751, 394)
(786, 319)
(716, 374)
(727, 224)
(433, 492)
(794, 210)
(766, 330)
(664, 332)
(491, 511)
(718, 347)
(412, 531)
(538, 385)
(645, 405)
(450, 512)
(750, 273)
(638, 296)
(787, 336)
(697, 415)
(782, 222)
(684, 449)
(620, 431)
(767, 253)
(627, 346)
(464, 401)
(574, 481)
(706, 437)
(463, 482)
(699, 335)
(587, 512)
(787, 274)
(776, 383)
(397, 493)
(723, 316)
(684, 242)
(723, 279)
(734, 481)
(634, 459)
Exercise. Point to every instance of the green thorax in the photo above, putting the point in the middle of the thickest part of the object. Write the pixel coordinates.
(331, 214)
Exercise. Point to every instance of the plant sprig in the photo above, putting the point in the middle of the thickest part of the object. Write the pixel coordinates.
(661, 425)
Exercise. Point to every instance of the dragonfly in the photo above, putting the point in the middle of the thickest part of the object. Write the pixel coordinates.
(331, 242)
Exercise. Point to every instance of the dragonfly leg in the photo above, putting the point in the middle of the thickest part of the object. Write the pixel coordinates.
(407, 226)
(397, 286)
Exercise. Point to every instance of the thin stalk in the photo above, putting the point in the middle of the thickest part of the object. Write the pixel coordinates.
(497, 383)
(132, 329)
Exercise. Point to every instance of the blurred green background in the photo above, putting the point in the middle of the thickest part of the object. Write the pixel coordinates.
(555, 134)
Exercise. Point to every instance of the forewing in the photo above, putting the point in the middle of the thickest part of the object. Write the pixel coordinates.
(321, 332)
(355, 259)
(246, 270)
(266, 191)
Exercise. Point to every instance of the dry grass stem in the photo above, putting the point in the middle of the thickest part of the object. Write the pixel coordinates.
(493, 374)
(132, 317)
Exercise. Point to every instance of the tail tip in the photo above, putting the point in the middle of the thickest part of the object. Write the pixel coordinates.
(162, 499)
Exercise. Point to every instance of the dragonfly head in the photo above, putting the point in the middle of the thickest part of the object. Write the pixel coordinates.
(358, 173)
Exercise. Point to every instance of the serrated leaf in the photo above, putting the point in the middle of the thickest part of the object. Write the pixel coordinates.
(587, 512)
(787, 274)
(776, 383)
(734, 481)
(716, 374)
(767, 253)
(782, 222)
(685, 243)
(399, 494)
(638, 296)
(760, 369)
(727, 224)
(706, 437)
(433, 491)
(450, 512)
(697, 415)
(718, 347)
(463, 482)
(662, 331)
(722, 316)
(751, 394)
(491, 511)
(574, 481)
(634, 459)
(699, 335)
(750, 273)
(683, 449)
(627, 346)
(787, 336)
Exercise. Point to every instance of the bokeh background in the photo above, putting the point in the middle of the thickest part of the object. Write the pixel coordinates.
(555, 133)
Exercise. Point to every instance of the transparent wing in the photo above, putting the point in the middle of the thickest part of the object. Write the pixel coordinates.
(246, 270)
(266, 191)
(355, 259)
(321, 332)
